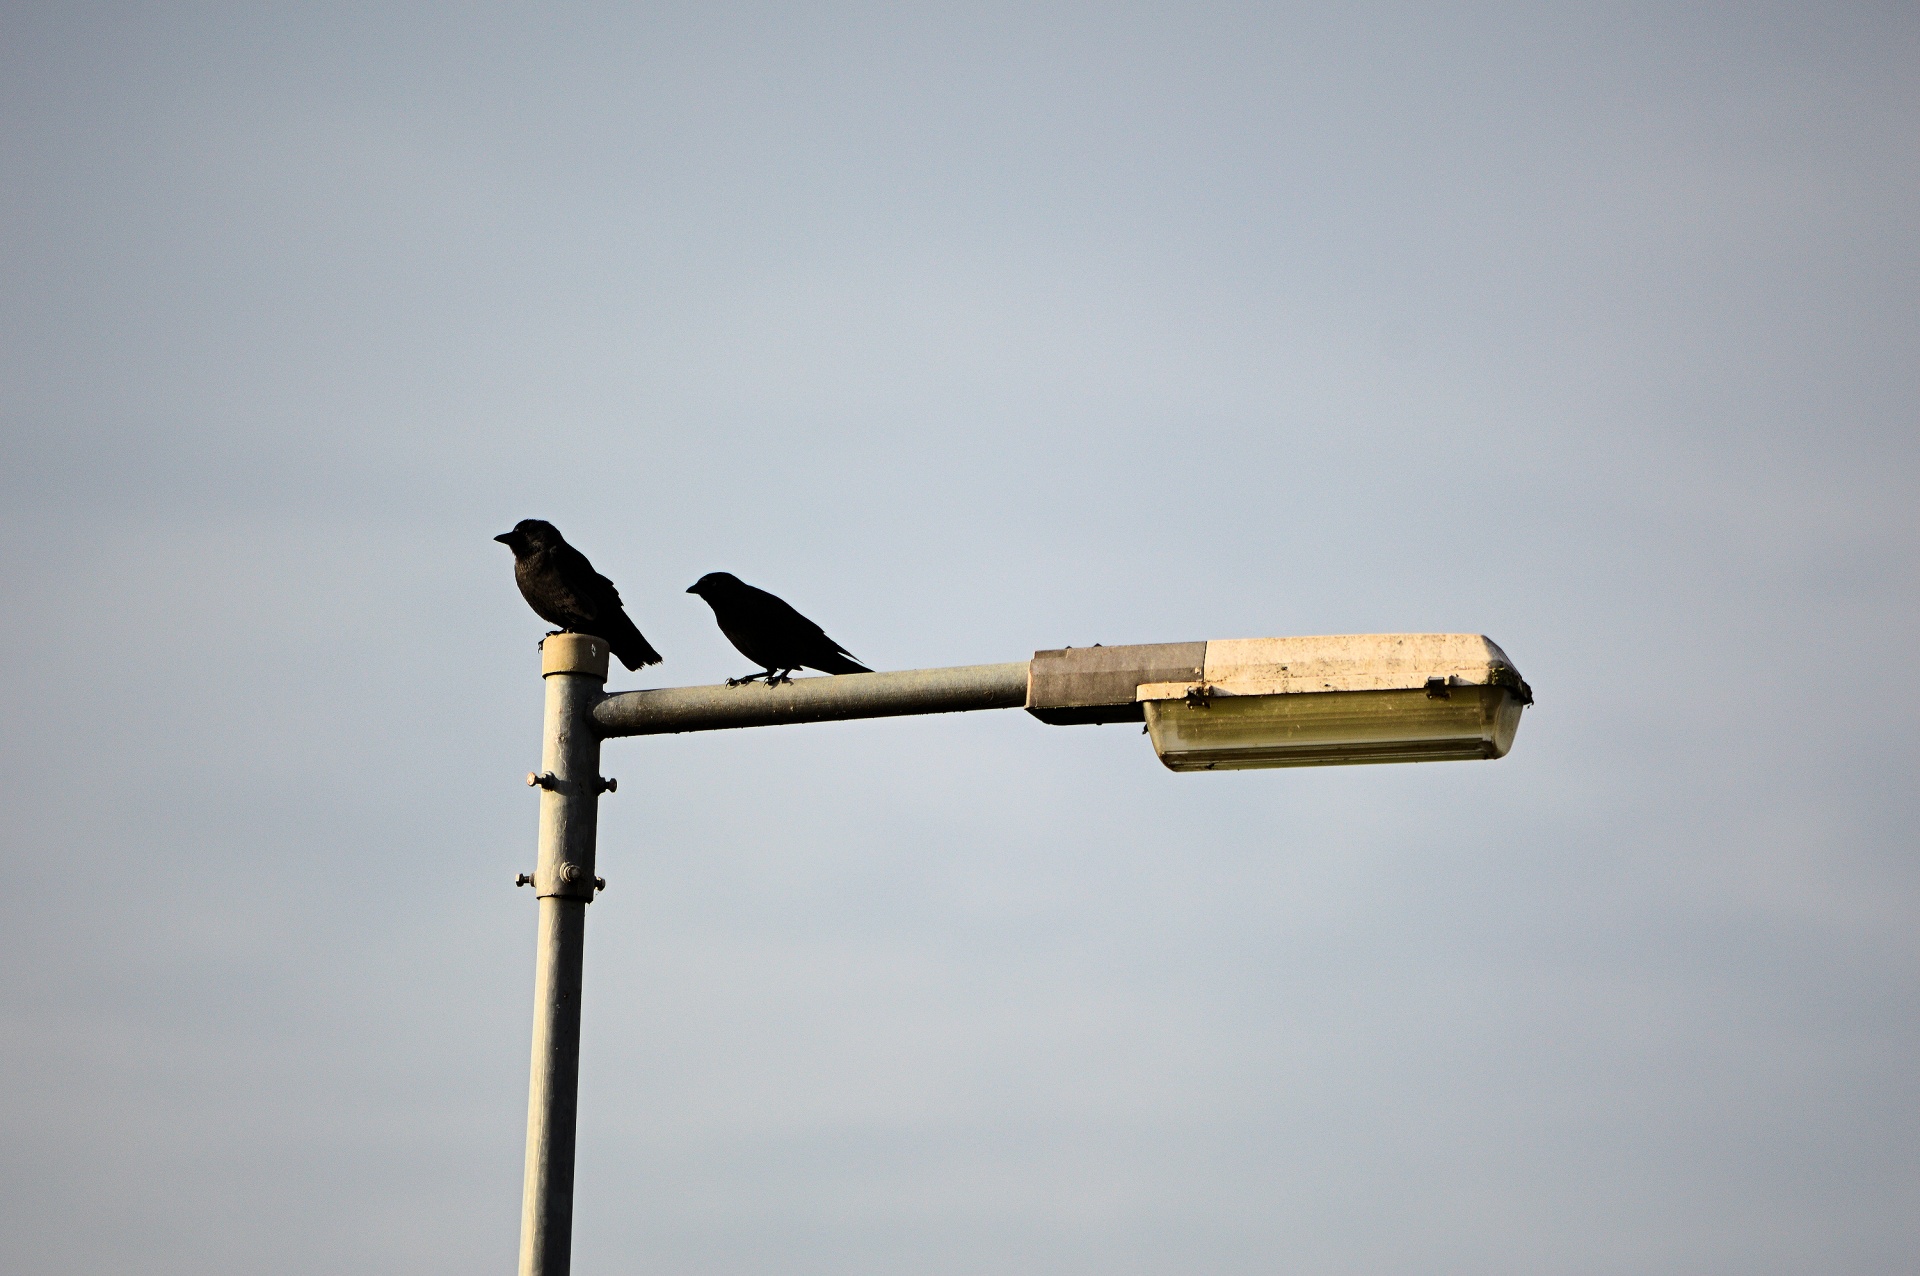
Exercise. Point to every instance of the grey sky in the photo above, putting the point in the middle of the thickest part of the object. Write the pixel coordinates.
(970, 332)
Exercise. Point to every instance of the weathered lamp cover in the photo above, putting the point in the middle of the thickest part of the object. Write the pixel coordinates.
(1240, 704)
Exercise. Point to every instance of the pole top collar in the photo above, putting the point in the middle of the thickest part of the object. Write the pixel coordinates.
(574, 653)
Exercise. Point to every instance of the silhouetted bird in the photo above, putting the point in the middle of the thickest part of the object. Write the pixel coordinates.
(560, 584)
(769, 632)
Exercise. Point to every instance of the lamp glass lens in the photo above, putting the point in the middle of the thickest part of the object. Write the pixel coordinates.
(1333, 728)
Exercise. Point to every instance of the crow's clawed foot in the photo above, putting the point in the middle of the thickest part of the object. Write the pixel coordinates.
(775, 679)
(768, 674)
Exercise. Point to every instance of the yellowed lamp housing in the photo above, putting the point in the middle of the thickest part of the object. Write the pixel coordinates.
(1338, 700)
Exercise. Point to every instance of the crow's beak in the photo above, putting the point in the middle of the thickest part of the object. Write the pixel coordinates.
(693, 589)
(505, 538)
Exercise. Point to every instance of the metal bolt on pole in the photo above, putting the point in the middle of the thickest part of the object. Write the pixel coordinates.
(575, 669)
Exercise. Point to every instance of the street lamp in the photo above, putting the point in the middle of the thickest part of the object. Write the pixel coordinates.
(1271, 702)
(1223, 705)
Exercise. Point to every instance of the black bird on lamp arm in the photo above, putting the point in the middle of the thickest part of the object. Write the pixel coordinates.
(768, 632)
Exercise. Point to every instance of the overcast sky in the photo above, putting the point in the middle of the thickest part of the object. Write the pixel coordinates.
(970, 330)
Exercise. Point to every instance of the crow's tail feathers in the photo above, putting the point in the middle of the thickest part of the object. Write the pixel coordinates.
(838, 662)
(631, 645)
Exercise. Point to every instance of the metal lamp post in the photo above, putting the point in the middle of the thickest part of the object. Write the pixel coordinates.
(1232, 705)
(574, 667)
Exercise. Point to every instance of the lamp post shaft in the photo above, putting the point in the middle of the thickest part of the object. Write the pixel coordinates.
(575, 668)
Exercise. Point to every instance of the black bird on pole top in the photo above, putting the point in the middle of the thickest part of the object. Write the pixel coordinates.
(559, 583)
(769, 632)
